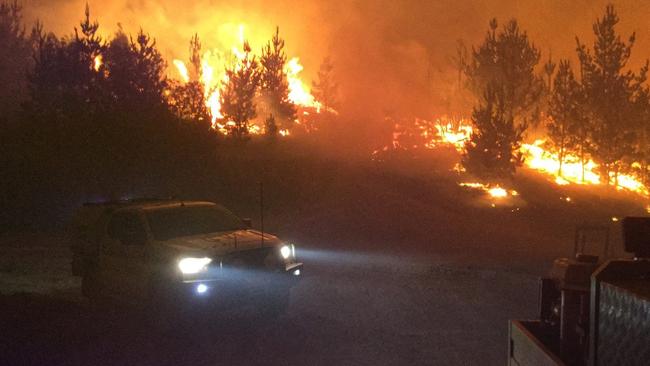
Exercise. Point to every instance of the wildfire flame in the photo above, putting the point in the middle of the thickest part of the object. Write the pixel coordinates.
(299, 94)
(493, 191)
(573, 171)
(444, 131)
(454, 135)
(97, 62)
(213, 78)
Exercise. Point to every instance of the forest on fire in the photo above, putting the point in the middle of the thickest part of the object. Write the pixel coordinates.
(90, 114)
(592, 118)
(86, 116)
(602, 113)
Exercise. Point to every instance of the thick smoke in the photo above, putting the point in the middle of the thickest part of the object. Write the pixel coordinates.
(391, 57)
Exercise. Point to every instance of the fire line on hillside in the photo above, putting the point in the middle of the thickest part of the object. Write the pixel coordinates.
(445, 131)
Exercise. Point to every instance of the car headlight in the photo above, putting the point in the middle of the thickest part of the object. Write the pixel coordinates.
(193, 265)
(285, 251)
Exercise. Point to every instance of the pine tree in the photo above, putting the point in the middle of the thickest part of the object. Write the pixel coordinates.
(564, 112)
(549, 70)
(460, 61)
(642, 150)
(609, 90)
(187, 100)
(507, 58)
(274, 87)
(14, 61)
(493, 149)
(325, 90)
(195, 58)
(136, 72)
(502, 75)
(238, 95)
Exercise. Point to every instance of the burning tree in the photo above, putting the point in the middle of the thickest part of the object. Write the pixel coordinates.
(238, 95)
(501, 73)
(274, 87)
(610, 92)
(566, 127)
(187, 99)
(492, 151)
(326, 89)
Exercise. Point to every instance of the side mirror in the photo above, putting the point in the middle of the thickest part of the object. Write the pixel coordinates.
(248, 222)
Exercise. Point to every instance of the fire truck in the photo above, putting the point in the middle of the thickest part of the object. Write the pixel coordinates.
(591, 313)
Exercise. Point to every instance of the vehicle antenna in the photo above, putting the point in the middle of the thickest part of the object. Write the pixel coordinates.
(262, 211)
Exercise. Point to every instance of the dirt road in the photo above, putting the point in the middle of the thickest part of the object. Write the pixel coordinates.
(349, 309)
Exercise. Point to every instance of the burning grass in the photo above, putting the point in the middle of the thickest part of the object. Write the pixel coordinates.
(538, 156)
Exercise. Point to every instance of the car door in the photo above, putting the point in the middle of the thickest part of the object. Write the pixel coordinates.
(124, 267)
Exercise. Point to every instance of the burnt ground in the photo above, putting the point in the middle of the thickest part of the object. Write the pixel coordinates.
(402, 267)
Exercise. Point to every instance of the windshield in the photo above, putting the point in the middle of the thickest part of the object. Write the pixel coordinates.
(168, 223)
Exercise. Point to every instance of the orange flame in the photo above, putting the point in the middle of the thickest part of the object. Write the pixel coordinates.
(213, 78)
(456, 133)
(573, 171)
(97, 62)
(299, 94)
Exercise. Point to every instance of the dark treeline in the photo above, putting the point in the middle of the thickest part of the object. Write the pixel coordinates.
(597, 109)
(86, 118)
(84, 114)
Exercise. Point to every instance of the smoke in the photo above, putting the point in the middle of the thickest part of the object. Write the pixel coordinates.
(391, 57)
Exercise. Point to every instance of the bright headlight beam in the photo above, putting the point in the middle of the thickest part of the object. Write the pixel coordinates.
(285, 251)
(193, 265)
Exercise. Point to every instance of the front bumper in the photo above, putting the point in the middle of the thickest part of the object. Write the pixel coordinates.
(295, 269)
(241, 284)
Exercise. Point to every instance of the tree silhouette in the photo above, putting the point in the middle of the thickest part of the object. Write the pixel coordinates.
(274, 87)
(237, 97)
(564, 112)
(325, 90)
(64, 87)
(187, 100)
(195, 58)
(609, 92)
(507, 59)
(460, 60)
(136, 72)
(549, 70)
(14, 61)
(642, 148)
(493, 149)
